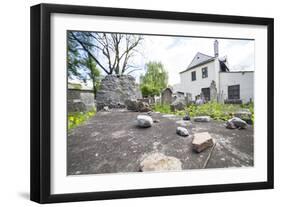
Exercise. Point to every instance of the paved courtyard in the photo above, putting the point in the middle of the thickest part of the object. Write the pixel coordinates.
(110, 142)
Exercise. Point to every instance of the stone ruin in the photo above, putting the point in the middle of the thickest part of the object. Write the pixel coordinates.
(115, 90)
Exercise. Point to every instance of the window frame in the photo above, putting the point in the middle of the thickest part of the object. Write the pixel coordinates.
(193, 72)
(206, 70)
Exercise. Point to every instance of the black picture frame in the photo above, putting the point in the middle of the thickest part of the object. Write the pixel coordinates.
(41, 99)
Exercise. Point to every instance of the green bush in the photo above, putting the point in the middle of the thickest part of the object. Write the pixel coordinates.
(216, 111)
(77, 118)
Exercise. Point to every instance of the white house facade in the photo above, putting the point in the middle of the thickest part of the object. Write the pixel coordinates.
(206, 73)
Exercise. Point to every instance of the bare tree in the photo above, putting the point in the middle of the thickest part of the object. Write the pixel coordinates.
(111, 51)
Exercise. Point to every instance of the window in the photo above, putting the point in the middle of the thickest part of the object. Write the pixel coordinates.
(205, 72)
(193, 75)
(234, 92)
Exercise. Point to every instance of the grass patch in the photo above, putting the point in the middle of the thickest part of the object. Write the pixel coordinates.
(74, 119)
(216, 111)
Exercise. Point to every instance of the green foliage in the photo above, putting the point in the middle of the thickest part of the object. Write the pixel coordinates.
(216, 111)
(77, 118)
(154, 80)
(162, 108)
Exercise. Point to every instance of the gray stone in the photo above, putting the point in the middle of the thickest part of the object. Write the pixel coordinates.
(245, 115)
(178, 105)
(144, 121)
(168, 116)
(159, 162)
(202, 141)
(213, 91)
(80, 100)
(182, 131)
(230, 125)
(156, 121)
(239, 123)
(137, 106)
(166, 96)
(115, 90)
(202, 118)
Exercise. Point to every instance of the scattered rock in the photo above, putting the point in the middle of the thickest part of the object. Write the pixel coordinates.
(160, 162)
(202, 141)
(184, 123)
(178, 105)
(143, 107)
(182, 131)
(105, 108)
(202, 118)
(186, 117)
(137, 106)
(230, 125)
(237, 122)
(114, 90)
(156, 120)
(144, 121)
(245, 115)
(168, 115)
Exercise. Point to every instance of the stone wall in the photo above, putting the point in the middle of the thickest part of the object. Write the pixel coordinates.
(80, 100)
(115, 90)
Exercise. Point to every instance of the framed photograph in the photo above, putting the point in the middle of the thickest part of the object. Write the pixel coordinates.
(132, 103)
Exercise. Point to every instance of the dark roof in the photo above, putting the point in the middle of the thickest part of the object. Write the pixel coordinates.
(199, 59)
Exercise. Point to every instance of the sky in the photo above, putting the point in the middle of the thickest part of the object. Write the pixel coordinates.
(176, 53)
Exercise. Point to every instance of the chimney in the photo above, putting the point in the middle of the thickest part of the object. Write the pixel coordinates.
(216, 48)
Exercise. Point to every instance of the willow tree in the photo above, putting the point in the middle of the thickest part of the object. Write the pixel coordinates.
(154, 80)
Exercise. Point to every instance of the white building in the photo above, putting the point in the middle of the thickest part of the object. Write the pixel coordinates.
(229, 85)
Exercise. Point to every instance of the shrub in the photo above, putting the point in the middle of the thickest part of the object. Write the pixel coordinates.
(77, 118)
(216, 111)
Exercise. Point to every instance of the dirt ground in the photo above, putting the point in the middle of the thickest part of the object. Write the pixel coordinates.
(110, 142)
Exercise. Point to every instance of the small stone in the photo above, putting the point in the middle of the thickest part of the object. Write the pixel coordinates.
(168, 115)
(144, 121)
(182, 131)
(156, 120)
(160, 162)
(202, 119)
(106, 108)
(239, 123)
(186, 117)
(202, 141)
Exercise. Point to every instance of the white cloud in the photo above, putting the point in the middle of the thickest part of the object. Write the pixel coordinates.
(177, 52)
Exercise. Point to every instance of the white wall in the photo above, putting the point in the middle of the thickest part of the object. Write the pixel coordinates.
(244, 79)
(194, 87)
(14, 109)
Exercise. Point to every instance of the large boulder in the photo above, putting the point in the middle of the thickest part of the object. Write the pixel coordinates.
(115, 90)
(137, 106)
(159, 162)
(237, 122)
(245, 115)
